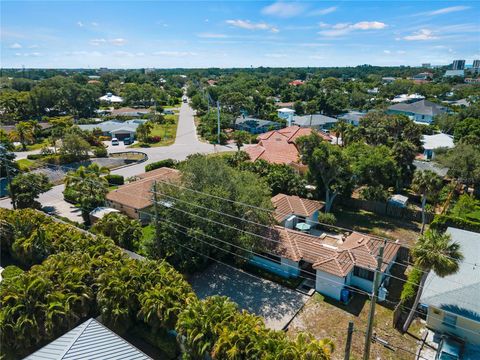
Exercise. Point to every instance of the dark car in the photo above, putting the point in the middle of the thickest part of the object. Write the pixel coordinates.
(449, 348)
(127, 141)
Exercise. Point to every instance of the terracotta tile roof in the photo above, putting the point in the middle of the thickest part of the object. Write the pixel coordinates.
(336, 255)
(278, 146)
(295, 205)
(137, 194)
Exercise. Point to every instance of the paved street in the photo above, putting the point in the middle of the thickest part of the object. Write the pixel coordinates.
(186, 143)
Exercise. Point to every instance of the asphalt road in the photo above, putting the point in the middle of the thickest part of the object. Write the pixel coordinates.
(186, 143)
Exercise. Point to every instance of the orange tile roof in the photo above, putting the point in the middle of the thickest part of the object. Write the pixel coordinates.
(336, 255)
(290, 204)
(137, 194)
(278, 146)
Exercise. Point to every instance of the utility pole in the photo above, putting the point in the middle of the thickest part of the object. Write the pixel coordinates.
(155, 209)
(376, 283)
(10, 189)
(349, 340)
(218, 122)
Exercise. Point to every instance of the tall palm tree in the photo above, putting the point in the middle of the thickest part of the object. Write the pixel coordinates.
(426, 183)
(433, 251)
(339, 129)
(24, 133)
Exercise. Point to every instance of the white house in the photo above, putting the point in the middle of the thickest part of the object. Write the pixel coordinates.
(434, 142)
(109, 97)
(452, 302)
(287, 114)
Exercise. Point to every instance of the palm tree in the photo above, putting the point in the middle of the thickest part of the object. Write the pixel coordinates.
(426, 183)
(433, 251)
(24, 133)
(339, 129)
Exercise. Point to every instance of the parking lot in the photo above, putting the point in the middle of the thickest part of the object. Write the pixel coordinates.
(275, 303)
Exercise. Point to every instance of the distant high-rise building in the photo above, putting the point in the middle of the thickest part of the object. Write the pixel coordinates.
(476, 64)
(458, 65)
(426, 65)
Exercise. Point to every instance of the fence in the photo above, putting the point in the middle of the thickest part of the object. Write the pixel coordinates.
(383, 208)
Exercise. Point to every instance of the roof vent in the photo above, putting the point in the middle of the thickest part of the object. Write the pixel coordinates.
(359, 241)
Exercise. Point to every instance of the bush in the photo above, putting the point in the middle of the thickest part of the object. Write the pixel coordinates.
(374, 193)
(70, 196)
(35, 156)
(326, 218)
(115, 179)
(100, 152)
(162, 163)
(442, 222)
(104, 138)
(154, 139)
(410, 287)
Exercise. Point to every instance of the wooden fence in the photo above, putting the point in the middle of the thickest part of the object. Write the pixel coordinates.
(383, 208)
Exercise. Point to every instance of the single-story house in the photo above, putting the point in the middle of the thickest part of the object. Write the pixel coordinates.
(432, 166)
(422, 111)
(336, 263)
(316, 121)
(452, 302)
(423, 76)
(278, 146)
(89, 340)
(255, 126)
(434, 142)
(461, 102)
(135, 198)
(127, 111)
(453, 73)
(291, 209)
(116, 128)
(99, 212)
(109, 97)
(407, 98)
(352, 117)
(285, 113)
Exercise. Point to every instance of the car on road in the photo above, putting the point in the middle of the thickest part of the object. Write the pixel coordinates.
(115, 142)
(128, 141)
(449, 348)
(185, 99)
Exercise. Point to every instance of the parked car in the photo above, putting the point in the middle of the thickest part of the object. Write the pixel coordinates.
(449, 348)
(128, 141)
(185, 99)
(115, 142)
(168, 112)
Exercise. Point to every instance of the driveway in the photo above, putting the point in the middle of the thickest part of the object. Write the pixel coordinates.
(275, 303)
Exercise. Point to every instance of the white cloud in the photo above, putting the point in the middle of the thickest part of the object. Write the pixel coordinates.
(118, 41)
(247, 24)
(97, 42)
(15, 46)
(345, 28)
(80, 24)
(31, 54)
(325, 11)
(211, 36)
(421, 35)
(447, 10)
(284, 9)
(387, 51)
(175, 53)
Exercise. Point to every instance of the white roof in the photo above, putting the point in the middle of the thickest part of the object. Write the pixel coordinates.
(406, 97)
(286, 110)
(431, 142)
(111, 98)
(399, 198)
(100, 212)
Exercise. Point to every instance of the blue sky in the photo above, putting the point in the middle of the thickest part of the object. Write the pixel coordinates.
(166, 34)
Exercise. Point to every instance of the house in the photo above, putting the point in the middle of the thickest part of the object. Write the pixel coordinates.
(116, 128)
(472, 80)
(278, 146)
(89, 340)
(135, 199)
(109, 97)
(316, 121)
(285, 113)
(407, 98)
(290, 210)
(128, 111)
(99, 212)
(422, 77)
(388, 79)
(334, 263)
(279, 104)
(461, 102)
(422, 111)
(296, 82)
(255, 126)
(434, 142)
(352, 117)
(452, 302)
(453, 73)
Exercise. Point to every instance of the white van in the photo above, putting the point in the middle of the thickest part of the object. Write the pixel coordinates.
(115, 142)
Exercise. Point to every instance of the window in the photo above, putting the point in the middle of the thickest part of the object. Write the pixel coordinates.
(271, 257)
(363, 273)
(449, 320)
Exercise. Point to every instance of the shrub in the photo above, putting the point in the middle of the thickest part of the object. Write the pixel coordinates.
(162, 163)
(442, 222)
(326, 218)
(35, 156)
(154, 139)
(375, 193)
(115, 179)
(104, 138)
(410, 287)
(70, 195)
(100, 151)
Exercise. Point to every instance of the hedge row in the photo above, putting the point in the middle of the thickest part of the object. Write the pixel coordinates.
(114, 179)
(162, 163)
(442, 222)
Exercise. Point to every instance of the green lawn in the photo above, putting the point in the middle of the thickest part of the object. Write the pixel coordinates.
(167, 133)
(25, 164)
(36, 146)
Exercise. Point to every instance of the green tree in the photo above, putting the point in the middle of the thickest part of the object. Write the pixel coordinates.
(464, 205)
(144, 130)
(470, 128)
(427, 184)
(433, 251)
(74, 148)
(27, 187)
(328, 167)
(124, 231)
(23, 133)
(241, 137)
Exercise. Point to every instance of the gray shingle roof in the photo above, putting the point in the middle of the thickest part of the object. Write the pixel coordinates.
(90, 340)
(422, 107)
(458, 293)
(313, 120)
